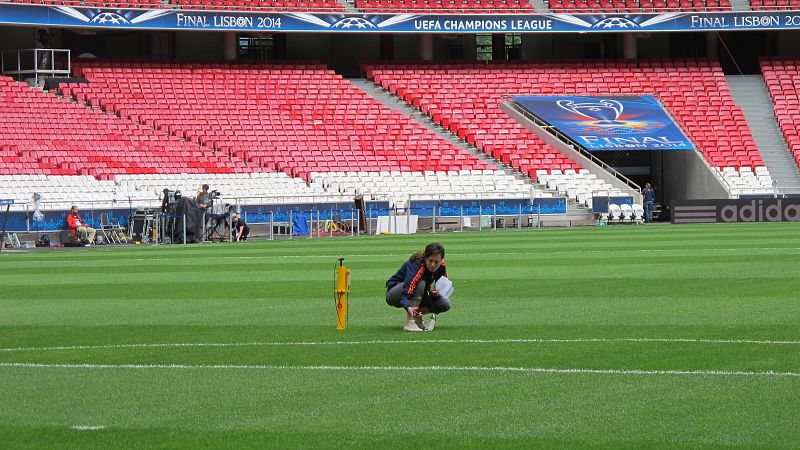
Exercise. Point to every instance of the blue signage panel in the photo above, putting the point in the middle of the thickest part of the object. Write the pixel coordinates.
(56, 220)
(609, 122)
(183, 19)
(625, 200)
(312, 211)
(505, 207)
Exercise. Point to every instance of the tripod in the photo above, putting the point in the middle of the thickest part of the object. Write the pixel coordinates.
(216, 225)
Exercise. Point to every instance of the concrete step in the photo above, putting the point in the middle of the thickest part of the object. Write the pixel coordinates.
(348, 6)
(740, 5)
(540, 6)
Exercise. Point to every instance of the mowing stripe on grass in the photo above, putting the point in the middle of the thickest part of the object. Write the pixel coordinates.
(451, 254)
(396, 342)
(406, 369)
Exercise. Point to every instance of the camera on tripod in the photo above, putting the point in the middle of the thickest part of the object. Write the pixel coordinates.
(169, 199)
(216, 216)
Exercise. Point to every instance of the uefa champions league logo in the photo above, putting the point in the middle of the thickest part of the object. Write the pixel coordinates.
(618, 23)
(109, 18)
(604, 111)
(349, 23)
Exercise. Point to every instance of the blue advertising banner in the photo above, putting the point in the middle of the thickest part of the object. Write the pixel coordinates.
(55, 220)
(183, 19)
(311, 211)
(609, 122)
(504, 207)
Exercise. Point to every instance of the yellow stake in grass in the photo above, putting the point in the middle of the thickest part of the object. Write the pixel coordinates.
(342, 289)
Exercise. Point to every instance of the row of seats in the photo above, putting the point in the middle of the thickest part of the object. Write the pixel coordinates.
(40, 133)
(57, 191)
(425, 186)
(246, 5)
(623, 214)
(60, 192)
(782, 77)
(746, 181)
(439, 6)
(579, 186)
(449, 6)
(257, 5)
(772, 5)
(296, 120)
(465, 98)
(576, 6)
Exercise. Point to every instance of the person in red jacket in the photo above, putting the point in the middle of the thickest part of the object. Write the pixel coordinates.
(77, 225)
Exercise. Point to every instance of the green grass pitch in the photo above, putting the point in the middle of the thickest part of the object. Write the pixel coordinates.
(618, 337)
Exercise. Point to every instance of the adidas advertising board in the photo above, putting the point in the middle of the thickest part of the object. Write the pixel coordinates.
(741, 210)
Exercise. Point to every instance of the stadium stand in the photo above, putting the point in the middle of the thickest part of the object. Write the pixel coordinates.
(71, 153)
(579, 186)
(446, 6)
(465, 98)
(240, 5)
(305, 122)
(394, 186)
(60, 134)
(383, 6)
(437, 6)
(146, 4)
(256, 5)
(645, 6)
(773, 5)
(296, 119)
(428, 185)
(782, 77)
(60, 192)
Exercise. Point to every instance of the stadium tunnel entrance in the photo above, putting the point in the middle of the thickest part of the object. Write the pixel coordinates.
(670, 172)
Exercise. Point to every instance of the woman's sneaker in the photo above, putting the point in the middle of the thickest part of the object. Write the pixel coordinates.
(412, 325)
(429, 326)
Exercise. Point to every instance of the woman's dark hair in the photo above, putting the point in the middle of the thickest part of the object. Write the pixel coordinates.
(431, 249)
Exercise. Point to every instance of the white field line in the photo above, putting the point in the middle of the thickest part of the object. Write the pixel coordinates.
(88, 427)
(407, 369)
(405, 342)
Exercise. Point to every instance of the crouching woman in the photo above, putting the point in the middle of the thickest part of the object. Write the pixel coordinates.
(413, 288)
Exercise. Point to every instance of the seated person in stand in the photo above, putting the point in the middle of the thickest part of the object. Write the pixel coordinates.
(240, 228)
(79, 227)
